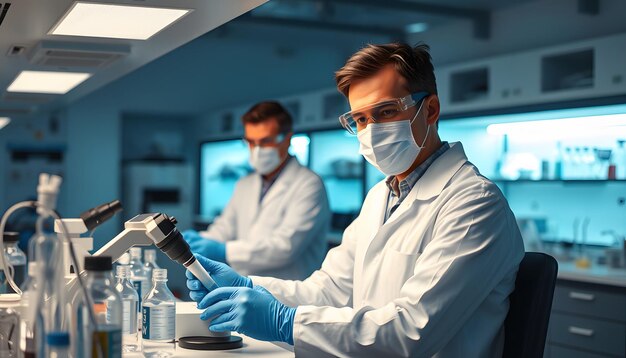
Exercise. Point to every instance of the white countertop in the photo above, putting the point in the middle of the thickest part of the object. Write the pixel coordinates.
(599, 274)
(251, 347)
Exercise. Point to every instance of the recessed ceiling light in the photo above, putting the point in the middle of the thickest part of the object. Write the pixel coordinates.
(4, 121)
(416, 27)
(115, 21)
(47, 81)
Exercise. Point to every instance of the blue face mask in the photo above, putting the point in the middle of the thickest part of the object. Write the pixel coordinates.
(390, 147)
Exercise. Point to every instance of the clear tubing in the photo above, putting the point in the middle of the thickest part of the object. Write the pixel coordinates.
(197, 270)
(5, 265)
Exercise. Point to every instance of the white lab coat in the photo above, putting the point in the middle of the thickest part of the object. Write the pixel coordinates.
(434, 280)
(284, 235)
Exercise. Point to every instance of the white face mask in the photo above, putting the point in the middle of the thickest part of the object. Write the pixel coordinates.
(264, 160)
(390, 147)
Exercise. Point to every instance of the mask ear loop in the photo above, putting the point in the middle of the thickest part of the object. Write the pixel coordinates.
(418, 111)
(427, 127)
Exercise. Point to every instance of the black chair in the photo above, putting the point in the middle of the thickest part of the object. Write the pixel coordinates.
(526, 325)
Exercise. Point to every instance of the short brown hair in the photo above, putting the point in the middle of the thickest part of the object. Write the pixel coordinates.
(412, 63)
(267, 110)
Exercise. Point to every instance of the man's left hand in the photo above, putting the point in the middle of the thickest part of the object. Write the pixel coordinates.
(250, 311)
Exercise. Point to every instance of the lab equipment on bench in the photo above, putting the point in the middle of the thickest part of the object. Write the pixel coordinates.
(16, 259)
(59, 343)
(45, 310)
(149, 258)
(9, 325)
(130, 303)
(138, 274)
(46, 305)
(158, 312)
(27, 331)
(160, 229)
(103, 338)
(88, 221)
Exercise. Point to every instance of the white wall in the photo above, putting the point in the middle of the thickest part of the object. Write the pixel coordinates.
(93, 160)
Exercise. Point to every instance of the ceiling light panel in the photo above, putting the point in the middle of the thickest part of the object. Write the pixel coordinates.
(4, 121)
(115, 21)
(47, 82)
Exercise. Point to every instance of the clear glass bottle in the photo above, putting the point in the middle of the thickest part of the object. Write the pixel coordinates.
(149, 258)
(138, 274)
(28, 313)
(619, 159)
(577, 163)
(159, 316)
(59, 344)
(130, 302)
(16, 258)
(9, 325)
(568, 172)
(558, 162)
(588, 162)
(50, 305)
(106, 335)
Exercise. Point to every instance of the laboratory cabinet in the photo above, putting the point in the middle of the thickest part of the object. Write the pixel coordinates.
(587, 320)
(583, 70)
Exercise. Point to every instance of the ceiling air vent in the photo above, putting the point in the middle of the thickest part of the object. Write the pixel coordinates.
(16, 50)
(12, 112)
(30, 98)
(77, 55)
(4, 8)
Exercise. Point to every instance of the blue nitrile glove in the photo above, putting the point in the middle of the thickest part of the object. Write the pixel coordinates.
(221, 273)
(212, 249)
(191, 236)
(250, 311)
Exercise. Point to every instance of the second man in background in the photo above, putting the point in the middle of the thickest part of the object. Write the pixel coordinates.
(277, 219)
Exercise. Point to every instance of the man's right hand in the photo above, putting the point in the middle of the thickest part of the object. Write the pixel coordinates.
(221, 273)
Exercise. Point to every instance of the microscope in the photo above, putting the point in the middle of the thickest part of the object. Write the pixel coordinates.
(160, 230)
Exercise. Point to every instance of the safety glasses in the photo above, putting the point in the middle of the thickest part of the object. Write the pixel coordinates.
(265, 142)
(381, 112)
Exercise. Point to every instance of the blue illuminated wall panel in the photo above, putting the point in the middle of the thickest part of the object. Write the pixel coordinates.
(221, 165)
(335, 157)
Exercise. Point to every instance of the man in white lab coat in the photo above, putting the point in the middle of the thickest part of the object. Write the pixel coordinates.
(426, 268)
(277, 219)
